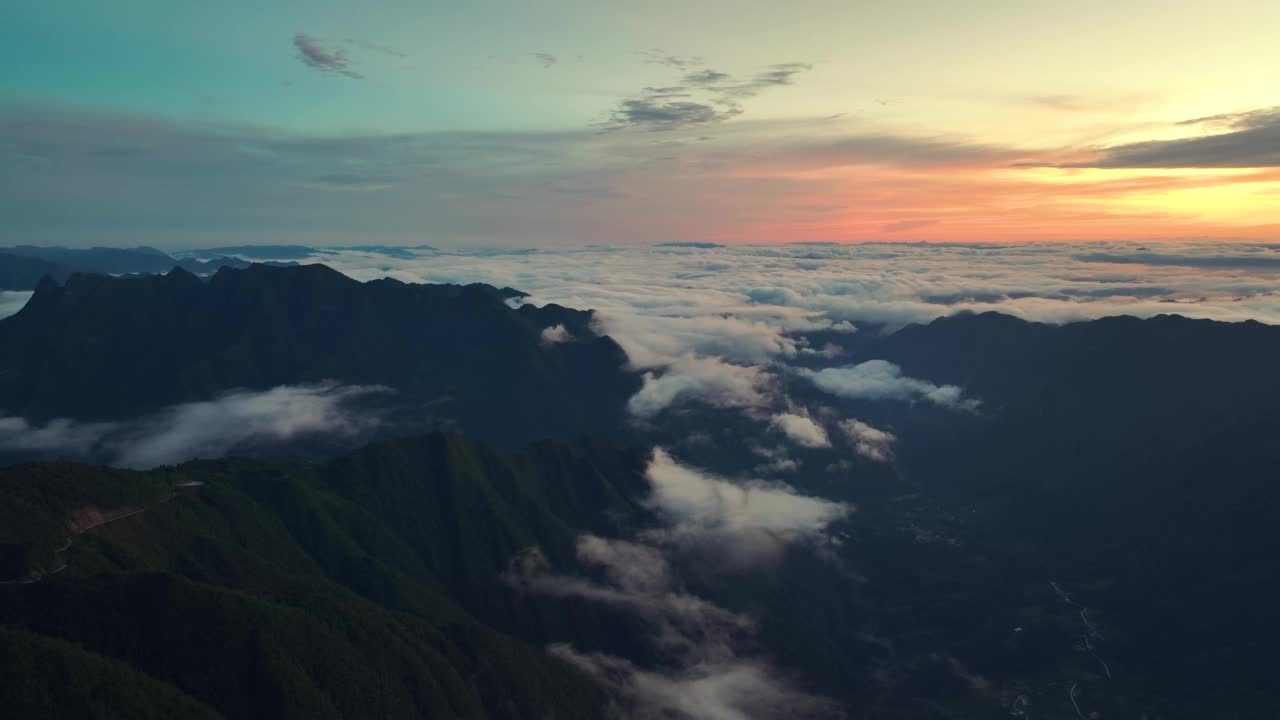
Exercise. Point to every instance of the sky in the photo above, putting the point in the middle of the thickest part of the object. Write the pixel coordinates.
(572, 122)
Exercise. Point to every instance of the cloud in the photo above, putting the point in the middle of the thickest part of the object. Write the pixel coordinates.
(772, 76)
(667, 108)
(745, 523)
(802, 429)
(882, 380)
(705, 676)
(544, 59)
(707, 78)
(233, 421)
(704, 97)
(777, 460)
(59, 437)
(704, 379)
(1251, 140)
(655, 56)
(721, 325)
(727, 690)
(11, 301)
(64, 169)
(214, 427)
(555, 335)
(869, 442)
(314, 55)
(632, 567)
(686, 626)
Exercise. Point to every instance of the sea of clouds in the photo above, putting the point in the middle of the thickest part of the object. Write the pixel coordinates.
(716, 323)
(729, 325)
(726, 327)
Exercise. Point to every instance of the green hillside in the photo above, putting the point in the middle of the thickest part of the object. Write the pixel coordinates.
(367, 587)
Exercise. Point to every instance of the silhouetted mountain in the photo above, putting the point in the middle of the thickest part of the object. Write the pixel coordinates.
(101, 348)
(1099, 529)
(22, 267)
(1136, 458)
(18, 272)
(367, 587)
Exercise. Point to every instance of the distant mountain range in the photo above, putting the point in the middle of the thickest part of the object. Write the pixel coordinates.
(22, 266)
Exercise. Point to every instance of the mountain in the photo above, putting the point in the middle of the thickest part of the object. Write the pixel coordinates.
(22, 266)
(99, 348)
(19, 272)
(369, 586)
(1094, 535)
(1132, 460)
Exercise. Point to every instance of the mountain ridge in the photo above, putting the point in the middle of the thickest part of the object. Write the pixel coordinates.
(161, 340)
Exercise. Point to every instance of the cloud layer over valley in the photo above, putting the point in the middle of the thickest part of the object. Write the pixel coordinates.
(706, 673)
(727, 325)
(233, 421)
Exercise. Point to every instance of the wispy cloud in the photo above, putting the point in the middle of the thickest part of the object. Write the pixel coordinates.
(882, 380)
(555, 335)
(869, 442)
(705, 379)
(732, 689)
(742, 523)
(757, 181)
(702, 97)
(656, 56)
(705, 674)
(233, 421)
(315, 55)
(11, 301)
(1246, 140)
(802, 429)
(60, 437)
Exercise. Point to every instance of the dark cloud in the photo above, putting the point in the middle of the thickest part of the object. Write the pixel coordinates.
(314, 55)
(545, 59)
(660, 109)
(1250, 140)
(706, 96)
(65, 173)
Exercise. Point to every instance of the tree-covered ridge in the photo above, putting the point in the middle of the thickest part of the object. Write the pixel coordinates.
(360, 588)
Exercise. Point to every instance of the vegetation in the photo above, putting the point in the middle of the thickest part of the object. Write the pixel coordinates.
(352, 589)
